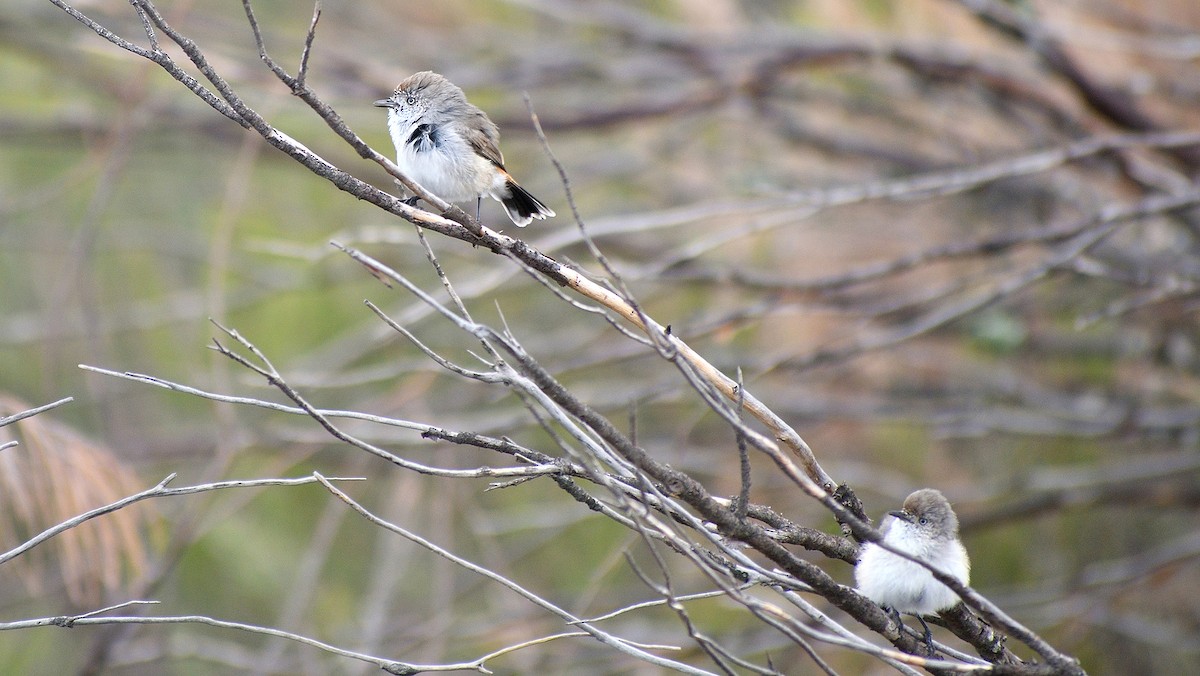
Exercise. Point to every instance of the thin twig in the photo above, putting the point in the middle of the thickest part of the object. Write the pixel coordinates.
(387, 665)
(34, 411)
(308, 43)
(159, 490)
(604, 637)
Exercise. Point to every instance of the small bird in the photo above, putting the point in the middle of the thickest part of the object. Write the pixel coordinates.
(452, 148)
(927, 528)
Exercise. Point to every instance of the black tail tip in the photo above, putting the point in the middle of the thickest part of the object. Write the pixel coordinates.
(523, 207)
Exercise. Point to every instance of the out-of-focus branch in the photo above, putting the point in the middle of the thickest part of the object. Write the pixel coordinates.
(1161, 482)
(1119, 106)
(1090, 232)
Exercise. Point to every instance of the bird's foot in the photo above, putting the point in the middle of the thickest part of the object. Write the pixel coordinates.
(928, 636)
(895, 615)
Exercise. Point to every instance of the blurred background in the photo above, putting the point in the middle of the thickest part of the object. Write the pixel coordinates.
(743, 164)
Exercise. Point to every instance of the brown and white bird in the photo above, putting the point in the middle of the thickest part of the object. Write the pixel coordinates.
(452, 148)
(927, 528)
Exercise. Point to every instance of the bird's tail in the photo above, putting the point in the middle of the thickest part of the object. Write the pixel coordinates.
(523, 207)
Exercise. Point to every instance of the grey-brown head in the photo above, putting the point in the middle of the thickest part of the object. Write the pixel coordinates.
(928, 511)
(426, 95)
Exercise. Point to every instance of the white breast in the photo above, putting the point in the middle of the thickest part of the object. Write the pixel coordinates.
(451, 170)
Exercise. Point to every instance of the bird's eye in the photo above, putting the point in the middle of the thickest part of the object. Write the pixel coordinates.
(924, 521)
(412, 100)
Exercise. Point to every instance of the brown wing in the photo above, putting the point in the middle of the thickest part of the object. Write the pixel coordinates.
(485, 139)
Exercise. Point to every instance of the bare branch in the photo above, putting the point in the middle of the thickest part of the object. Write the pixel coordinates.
(89, 619)
(604, 637)
(4, 421)
(308, 42)
(160, 490)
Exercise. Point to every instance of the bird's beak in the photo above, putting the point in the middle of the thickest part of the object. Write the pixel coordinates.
(902, 515)
(383, 103)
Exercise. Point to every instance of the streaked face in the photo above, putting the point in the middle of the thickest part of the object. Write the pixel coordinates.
(405, 106)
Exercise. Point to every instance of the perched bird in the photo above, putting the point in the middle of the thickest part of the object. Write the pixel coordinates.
(927, 528)
(451, 148)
